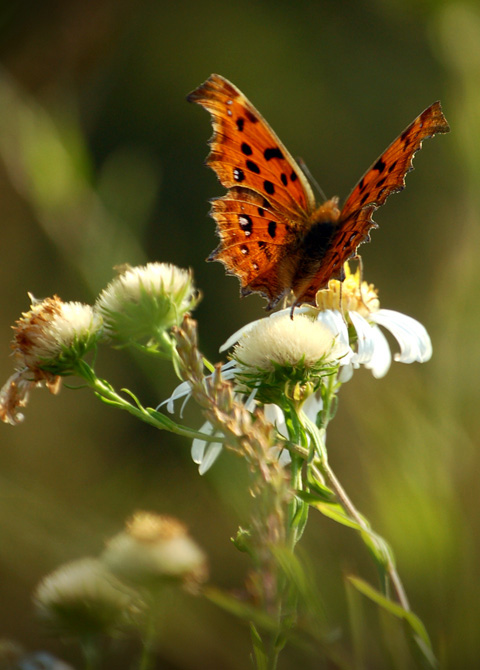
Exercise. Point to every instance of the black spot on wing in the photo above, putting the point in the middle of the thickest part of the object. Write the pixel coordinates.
(253, 167)
(246, 149)
(269, 187)
(283, 178)
(240, 123)
(272, 227)
(380, 165)
(273, 152)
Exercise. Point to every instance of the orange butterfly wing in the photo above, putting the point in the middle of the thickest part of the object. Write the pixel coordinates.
(246, 152)
(269, 199)
(386, 176)
(254, 240)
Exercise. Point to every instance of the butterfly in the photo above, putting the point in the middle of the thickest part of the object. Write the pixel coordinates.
(273, 234)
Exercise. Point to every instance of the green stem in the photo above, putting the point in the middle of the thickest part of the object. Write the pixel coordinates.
(318, 436)
(348, 505)
(146, 658)
(106, 392)
(91, 652)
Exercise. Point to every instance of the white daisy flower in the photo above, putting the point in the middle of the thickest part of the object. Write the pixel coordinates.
(301, 351)
(351, 337)
(356, 303)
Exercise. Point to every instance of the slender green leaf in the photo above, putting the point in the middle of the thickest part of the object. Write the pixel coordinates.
(241, 609)
(333, 511)
(396, 610)
(258, 649)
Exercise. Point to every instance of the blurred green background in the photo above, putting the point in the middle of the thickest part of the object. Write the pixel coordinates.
(101, 163)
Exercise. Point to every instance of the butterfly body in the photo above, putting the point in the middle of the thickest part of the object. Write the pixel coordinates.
(273, 235)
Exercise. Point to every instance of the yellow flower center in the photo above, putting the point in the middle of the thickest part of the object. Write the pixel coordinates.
(350, 295)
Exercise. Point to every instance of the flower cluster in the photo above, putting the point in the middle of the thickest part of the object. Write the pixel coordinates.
(280, 358)
(113, 593)
(52, 338)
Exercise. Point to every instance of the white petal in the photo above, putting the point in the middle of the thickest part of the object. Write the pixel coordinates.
(345, 373)
(313, 405)
(414, 341)
(366, 342)
(205, 453)
(212, 452)
(182, 390)
(198, 445)
(333, 319)
(381, 358)
(276, 417)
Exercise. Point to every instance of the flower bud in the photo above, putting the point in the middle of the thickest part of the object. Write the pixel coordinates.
(144, 301)
(154, 548)
(83, 598)
(49, 339)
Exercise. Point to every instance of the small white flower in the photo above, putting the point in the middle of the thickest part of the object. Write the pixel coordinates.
(83, 598)
(357, 303)
(302, 344)
(153, 548)
(288, 342)
(49, 339)
(146, 300)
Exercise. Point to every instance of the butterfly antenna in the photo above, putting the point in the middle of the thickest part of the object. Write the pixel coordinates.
(310, 177)
(359, 260)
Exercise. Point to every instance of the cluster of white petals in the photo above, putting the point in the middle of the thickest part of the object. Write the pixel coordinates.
(285, 341)
(347, 308)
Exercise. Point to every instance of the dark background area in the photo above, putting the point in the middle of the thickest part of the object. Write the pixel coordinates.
(101, 163)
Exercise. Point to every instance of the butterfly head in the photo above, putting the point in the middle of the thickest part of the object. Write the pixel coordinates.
(327, 213)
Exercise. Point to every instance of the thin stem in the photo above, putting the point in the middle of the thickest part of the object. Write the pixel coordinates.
(105, 391)
(91, 652)
(317, 435)
(146, 658)
(348, 505)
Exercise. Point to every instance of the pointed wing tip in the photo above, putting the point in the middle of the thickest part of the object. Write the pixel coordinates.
(206, 91)
(435, 111)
